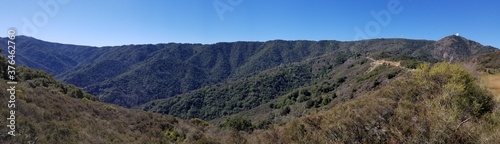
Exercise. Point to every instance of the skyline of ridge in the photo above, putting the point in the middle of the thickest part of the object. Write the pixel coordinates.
(244, 41)
(107, 23)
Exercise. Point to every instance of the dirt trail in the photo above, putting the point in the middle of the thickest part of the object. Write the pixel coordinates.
(492, 81)
(377, 63)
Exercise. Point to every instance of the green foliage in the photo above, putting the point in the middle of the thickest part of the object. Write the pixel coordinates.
(38, 78)
(199, 123)
(341, 58)
(228, 98)
(44, 114)
(459, 90)
(174, 69)
(211, 81)
(317, 102)
(341, 80)
(325, 100)
(174, 136)
(391, 75)
(76, 93)
(264, 124)
(3, 66)
(117, 74)
(373, 73)
(412, 64)
(310, 104)
(238, 123)
(285, 111)
(304, 95)
(442, 103)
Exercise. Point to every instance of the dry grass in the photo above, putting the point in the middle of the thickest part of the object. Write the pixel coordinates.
(45, 115)
(492, 81)
(439, 104)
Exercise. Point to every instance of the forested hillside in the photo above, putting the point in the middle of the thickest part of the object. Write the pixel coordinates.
(314, 83)
(49, 111)
(131, 75)
(370, 91)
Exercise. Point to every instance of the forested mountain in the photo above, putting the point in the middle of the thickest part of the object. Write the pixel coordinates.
(380, 91)
(51, 57)
(130, 75)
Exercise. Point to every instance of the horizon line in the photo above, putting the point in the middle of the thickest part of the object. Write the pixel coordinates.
(401, 38)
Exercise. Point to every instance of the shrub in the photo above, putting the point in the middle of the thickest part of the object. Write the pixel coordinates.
(391, 75)
(199, 123)
(271, 105)
(305, 92)
(238, 123)
(302, 98)
(325, 100)
(284, 111)
(442, 103)
(264, 124)
(76, 93)
(309, 103)
(412, 64)
(458, 90)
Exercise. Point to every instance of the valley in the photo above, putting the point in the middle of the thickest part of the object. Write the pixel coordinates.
(249, 72)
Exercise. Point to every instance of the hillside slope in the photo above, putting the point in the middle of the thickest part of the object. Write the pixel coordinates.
(316, 82)
(333, 77)
(439, 104)
(48, 111)
(323, 97)
(51, 57)
(131, 75)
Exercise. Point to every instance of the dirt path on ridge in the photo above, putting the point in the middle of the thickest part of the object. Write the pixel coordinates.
(377, 63)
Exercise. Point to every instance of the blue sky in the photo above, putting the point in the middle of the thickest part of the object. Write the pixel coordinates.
(120, 22)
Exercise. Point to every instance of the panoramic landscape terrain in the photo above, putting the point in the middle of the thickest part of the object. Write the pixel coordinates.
(249, 72)
(278, 91)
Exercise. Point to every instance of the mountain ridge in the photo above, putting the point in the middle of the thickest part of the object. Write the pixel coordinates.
(187, 67)
(294, 92)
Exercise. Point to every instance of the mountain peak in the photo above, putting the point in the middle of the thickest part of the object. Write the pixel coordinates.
(456, 48)
(454, 39)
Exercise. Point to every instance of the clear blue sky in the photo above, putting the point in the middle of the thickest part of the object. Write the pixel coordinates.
(119, 22)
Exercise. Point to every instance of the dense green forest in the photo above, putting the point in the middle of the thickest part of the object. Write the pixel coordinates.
(315, 83)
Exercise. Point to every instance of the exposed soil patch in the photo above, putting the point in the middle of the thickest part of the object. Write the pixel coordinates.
(377, 63)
